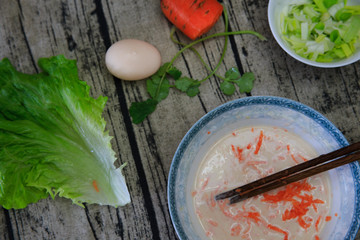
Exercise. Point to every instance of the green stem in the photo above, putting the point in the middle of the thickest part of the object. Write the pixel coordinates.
(194, 50)
(189, 46)
(222, 34)
(224, 49)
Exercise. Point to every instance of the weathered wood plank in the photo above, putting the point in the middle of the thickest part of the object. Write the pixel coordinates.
(73, 28)
(83, 30)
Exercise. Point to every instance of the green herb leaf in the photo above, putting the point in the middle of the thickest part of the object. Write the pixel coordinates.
(227, 88)
(140, 110)
(193, 90)
(183, 83)
(174, 73)
(232, 74)
(158, 87)
(188, 85)
(163, 69)
(246, 82)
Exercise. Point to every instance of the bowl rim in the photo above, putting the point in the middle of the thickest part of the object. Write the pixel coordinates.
(259, 100)
(276, 34)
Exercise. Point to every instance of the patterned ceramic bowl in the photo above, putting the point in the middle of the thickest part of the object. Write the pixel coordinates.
(272, 111)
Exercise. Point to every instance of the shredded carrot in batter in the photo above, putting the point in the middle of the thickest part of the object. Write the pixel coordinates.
(295, 195)
(236, 229)
(293, 158)
(303, 158)
(299, 208)
(255, 162)
(259, 143)
(277, 229)
(255, 216)
(317, 224)
(237, 152)
(213, 222)
(205, 183)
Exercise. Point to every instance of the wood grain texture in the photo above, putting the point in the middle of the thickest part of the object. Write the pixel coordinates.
(84, 30)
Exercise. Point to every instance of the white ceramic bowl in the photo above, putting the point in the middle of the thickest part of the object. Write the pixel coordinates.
(272, 111)
(274, 9)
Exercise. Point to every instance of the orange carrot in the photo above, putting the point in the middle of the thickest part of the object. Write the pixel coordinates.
(293, 158)
(237, 152)
(255, 216)
(259, 143)
(95, 185)
(317, 223)
(253, 163)
(205, 183)
(193, 17)
(317, 237)
(302, 157)
(213, 222)
(300, 203)
(236, 229)
(327, 218)
(277, 229)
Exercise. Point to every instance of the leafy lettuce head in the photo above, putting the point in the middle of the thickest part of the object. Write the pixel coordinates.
(53, 139)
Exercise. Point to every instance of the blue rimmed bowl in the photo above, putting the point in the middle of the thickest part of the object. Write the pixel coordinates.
(259, 111)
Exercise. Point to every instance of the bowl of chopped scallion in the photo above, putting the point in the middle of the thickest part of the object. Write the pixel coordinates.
(321, 33)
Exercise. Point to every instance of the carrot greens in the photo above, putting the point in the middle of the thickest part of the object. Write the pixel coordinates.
(158, 85)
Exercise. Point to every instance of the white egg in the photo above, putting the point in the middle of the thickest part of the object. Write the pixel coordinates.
(132, 59)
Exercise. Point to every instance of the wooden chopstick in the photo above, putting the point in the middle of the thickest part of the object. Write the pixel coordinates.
(298, 172)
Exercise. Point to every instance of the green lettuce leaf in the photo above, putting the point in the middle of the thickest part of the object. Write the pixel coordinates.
(53, 139)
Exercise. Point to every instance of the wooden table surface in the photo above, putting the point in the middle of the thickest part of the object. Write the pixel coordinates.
(84, 30)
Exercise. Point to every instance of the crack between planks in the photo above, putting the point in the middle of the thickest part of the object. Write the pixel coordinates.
(348, 94)
(9, 224)
(104, 31)
(27, 43)
(151, 140)
(90, 223)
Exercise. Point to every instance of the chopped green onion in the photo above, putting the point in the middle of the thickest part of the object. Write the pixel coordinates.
(321, 30)
(304, 30)
(329, 3)
(353, 30)
(345, 47)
